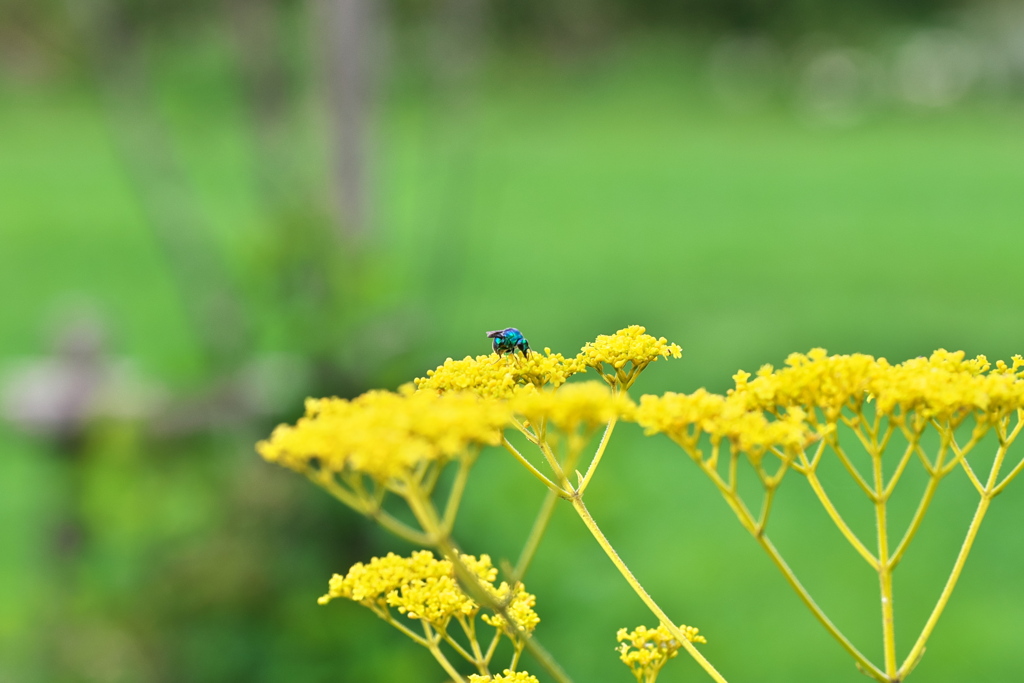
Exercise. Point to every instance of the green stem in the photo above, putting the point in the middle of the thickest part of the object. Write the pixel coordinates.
(884, 569)
(530, 436)
(549, 455)
(517, 652)
(936, 471)
(865, 664)
(492, 647)
(552, 486)
(979, 487)
(540, 525)
(597, 455)
(469, 628)
(451, 508)
(602, 540)
(474, 658)
(907, 455)
(734, 459)
(915, 523)
(412, 635)
(837, 519)
(432, 645)
(841, 454)
(472, 583)
(373, 511)
(1008, 478)
(987, 493)
(918, 649)
(766, 508)
(747, 522)
(1007, 440)
(426, 515)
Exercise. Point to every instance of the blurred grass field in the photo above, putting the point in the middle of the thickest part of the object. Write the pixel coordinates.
(568, 199)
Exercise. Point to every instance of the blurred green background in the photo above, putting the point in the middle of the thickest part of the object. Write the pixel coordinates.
(210, 210)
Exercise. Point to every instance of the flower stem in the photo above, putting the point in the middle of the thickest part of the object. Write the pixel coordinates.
(987, 493)
(435, 650)
(602, 540)
(837, 518)
(427, 516)
(918, 649)
(374, 511)
(540, 525)
(529, 466)
(597, 455)
(458, 488)
(865, 664)
(884, 569)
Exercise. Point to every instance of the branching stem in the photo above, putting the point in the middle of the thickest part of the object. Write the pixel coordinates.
(597, 455)
(540, 525)
(602, 540)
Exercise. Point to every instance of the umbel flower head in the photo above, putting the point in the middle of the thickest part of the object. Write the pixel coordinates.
(780, 408)
(384, 434)
(685, 417)
(627, 352)
(582, 404)
(646, 650)
(422, 587)
(495, 376)
(944, 386)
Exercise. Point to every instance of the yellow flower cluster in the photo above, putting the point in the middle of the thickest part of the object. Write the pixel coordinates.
(812, 380)
(423, 587)
(685, 417)
(628, 352)
(519, 608)
(778, 408)
(384, 434)
(586, 404)
(508, 676)
(943, 386)
(646, 650)
(495, 376)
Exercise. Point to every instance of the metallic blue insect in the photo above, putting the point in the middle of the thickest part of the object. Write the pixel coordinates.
(508, 340)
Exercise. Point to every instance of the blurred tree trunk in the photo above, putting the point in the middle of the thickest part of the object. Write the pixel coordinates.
(351, 43)
(457, 52)
(270, 94)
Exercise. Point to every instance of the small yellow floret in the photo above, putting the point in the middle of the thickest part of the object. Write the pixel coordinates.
(371, 582)
(519, 608)
(508, 676)
(423, 587)
(646, 650)
(628, 352)
(497, 376)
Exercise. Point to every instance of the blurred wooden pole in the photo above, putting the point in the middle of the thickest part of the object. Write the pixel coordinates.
(352, 26)
(269, 96)
(114, 45)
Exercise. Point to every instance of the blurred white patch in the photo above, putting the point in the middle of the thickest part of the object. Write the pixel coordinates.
(61, 393)
(937, 68)
(997, 29)
(837, 86)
